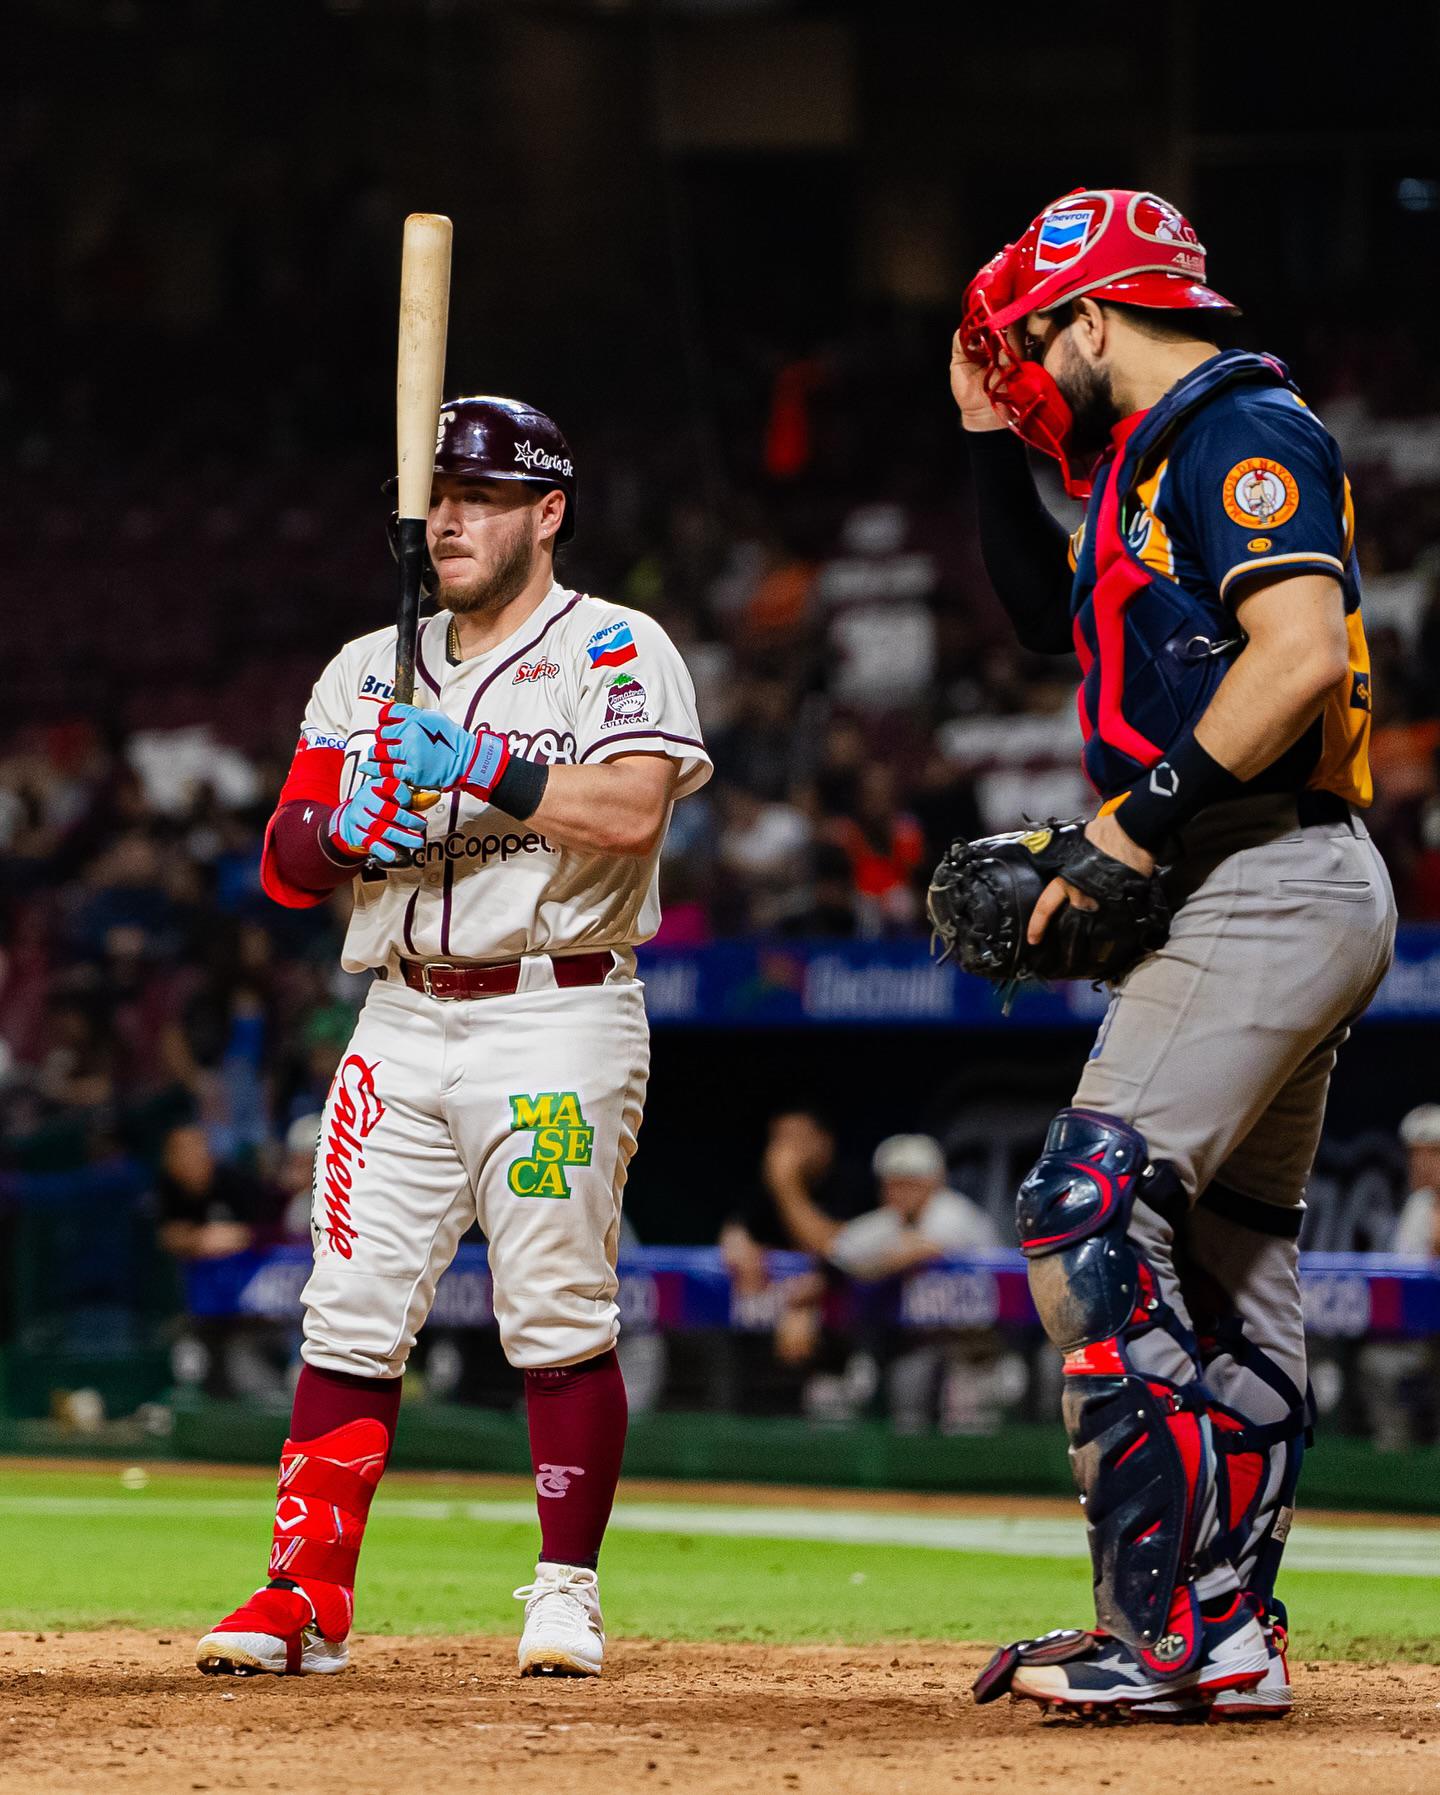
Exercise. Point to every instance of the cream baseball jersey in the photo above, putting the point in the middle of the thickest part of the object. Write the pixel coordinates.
(581, 681)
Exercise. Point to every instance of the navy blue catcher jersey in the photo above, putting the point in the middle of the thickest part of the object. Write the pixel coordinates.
(1228, 479)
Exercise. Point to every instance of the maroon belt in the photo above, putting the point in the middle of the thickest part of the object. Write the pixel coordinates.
(439, 978)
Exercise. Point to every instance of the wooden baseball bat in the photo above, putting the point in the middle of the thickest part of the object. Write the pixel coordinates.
(419, 389)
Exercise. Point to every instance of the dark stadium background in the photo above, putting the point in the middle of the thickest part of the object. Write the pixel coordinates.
(725, 246)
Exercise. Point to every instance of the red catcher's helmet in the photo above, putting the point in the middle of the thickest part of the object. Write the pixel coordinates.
(488, 438)
(1107, 243)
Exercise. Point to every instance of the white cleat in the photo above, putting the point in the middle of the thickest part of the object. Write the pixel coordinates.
(272, 1634)
(564, 1635)
(256, 1654)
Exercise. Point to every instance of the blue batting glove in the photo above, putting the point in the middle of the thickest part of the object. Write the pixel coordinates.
(376, 823)
(431, 752)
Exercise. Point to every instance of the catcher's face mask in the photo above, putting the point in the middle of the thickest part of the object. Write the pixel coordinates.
(1106, 244)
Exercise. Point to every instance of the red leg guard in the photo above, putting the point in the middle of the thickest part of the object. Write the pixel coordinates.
(325, 1490)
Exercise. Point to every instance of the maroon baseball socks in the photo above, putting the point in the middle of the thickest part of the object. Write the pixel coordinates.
(578, 1416)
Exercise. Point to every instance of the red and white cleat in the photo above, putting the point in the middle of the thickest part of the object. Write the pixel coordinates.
(273, 1633)
(1272, 1697)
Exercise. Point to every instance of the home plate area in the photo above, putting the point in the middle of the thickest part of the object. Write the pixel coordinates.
(124, 1710)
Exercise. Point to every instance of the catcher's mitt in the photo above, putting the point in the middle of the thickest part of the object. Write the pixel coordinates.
(983, 892)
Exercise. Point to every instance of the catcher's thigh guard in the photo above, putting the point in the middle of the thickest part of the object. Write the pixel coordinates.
(1140, 1445)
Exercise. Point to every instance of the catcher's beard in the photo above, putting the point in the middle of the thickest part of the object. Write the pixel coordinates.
(490, 591)
(1089, 392)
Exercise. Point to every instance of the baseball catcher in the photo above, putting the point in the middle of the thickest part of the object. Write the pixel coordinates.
(1226, 889)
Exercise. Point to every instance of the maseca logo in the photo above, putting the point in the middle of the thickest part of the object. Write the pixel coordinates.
(562, 1137)
(355, 1111)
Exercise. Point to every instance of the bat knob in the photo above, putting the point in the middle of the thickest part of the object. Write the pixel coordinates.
(425, 800)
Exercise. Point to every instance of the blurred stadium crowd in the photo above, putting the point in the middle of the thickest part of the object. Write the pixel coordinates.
(164, 1026)
(191, 530)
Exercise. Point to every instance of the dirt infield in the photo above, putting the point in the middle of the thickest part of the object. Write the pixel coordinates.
(124, 1711)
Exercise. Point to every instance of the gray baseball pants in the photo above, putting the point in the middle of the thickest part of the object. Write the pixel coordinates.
(1218, 1049)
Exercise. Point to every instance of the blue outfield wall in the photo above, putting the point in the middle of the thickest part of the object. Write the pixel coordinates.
(1347, 1296)
(889, 984)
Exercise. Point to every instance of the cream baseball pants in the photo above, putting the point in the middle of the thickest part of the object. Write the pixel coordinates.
(519, 1112)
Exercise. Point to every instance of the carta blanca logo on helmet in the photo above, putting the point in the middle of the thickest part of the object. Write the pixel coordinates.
(531, 458)
(465, 844)
(625, 701)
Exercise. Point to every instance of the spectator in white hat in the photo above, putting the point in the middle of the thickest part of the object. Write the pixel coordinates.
(919, 1218)
(1417, 1230)
(918, 1221)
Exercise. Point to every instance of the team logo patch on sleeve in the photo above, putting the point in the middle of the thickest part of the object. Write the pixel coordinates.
(612, 646)
(1260, 492)
(625, 701)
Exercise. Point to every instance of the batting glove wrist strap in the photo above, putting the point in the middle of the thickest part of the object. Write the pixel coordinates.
(377, 823)
(503, 779)
(335, 842)
(519, 786)
(1176, 788)
(486, 766)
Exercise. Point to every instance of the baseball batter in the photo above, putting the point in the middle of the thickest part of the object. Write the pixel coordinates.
(1212, 598)
(497, 1071)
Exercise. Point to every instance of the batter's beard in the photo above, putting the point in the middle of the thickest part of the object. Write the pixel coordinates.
(489, 593)
(1088, 392)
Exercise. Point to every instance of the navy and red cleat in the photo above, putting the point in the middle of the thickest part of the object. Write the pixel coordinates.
(1270, 1699)
(1090, 1674)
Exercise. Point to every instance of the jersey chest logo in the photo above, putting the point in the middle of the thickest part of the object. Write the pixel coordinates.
(556, 747)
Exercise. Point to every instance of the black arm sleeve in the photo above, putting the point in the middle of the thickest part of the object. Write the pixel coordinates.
(1025, 548)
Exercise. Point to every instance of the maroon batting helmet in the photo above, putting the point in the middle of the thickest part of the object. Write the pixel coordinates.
(487, 438)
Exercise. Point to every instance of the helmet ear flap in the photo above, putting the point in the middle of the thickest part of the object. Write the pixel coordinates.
(429, 579)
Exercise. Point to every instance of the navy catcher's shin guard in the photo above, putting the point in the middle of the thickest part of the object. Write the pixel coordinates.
(1140, 1446)
(1262, 1419)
